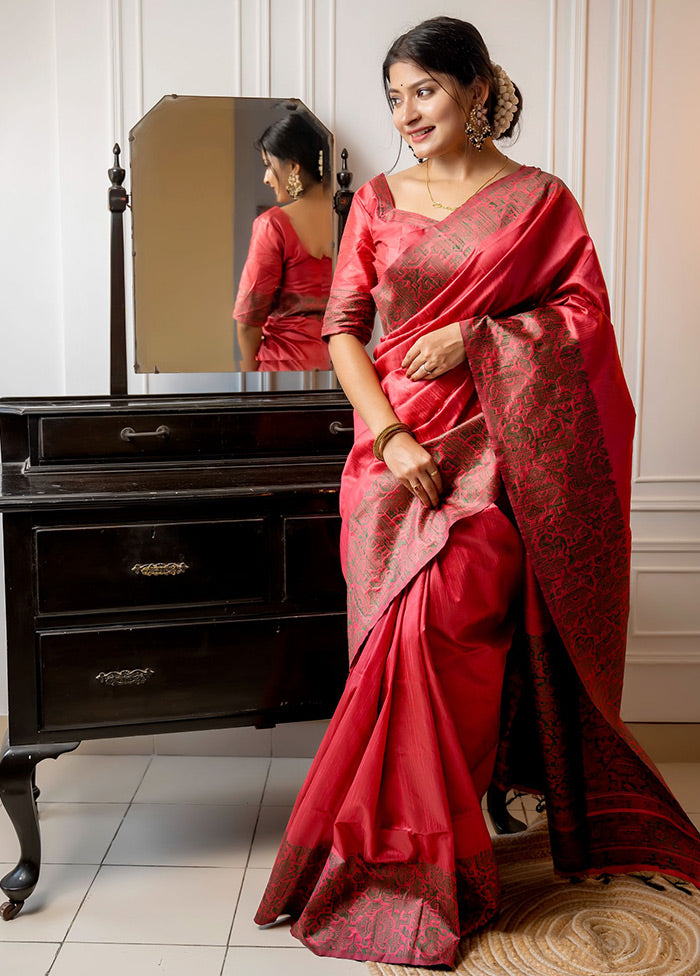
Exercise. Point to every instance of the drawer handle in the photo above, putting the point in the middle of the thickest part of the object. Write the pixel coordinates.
(159, 569)
(137, 676)
(129, 434)
(337, 428)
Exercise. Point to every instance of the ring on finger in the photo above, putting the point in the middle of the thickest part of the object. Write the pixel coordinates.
(432, 473)
(415, 487)
(423, 366)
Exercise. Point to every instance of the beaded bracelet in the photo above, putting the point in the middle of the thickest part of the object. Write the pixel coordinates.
(384, 436)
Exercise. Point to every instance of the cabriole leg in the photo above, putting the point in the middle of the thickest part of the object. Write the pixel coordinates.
(17, 766)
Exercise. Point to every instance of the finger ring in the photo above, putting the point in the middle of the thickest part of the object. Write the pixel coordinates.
(432, 473)
(415, 487)
(423, 366)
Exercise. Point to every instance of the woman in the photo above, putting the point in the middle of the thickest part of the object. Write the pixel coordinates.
(485, 540)
(284, 285)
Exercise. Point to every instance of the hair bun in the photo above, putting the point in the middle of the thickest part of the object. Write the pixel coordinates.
(506, 102)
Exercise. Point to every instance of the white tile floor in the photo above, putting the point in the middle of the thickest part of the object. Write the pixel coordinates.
(155, 865)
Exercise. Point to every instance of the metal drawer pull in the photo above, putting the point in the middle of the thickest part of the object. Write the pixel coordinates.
(337, 428)
(159, 569)
(129, 434)
(139, 676)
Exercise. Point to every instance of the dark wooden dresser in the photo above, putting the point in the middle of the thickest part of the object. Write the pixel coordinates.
(171, 563)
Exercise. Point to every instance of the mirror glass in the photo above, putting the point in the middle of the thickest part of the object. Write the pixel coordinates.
(196, 190)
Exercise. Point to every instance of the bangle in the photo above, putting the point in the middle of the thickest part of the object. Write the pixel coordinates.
(384, 436)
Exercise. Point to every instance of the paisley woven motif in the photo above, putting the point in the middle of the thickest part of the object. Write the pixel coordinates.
(550, 927)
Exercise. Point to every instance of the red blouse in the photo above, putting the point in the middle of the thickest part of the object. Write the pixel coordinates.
(375, 235)
(284, 290)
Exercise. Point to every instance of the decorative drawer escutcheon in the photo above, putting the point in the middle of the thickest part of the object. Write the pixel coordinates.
(136, 676)
(159, 569)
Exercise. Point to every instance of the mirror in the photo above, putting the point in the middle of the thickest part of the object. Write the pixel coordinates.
(196, 190)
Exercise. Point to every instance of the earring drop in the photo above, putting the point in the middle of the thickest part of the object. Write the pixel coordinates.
(294, 187)
(477, 128)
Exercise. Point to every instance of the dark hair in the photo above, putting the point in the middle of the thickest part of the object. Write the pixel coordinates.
(294, 140)
(452, 47)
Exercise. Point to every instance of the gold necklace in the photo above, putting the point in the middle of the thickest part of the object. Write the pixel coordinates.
(444, 206)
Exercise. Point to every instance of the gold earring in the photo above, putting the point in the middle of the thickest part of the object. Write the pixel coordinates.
(295, 187)
(477, 128)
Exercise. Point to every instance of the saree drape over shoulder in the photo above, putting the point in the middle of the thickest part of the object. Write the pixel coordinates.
(283, 290)
(487, 636)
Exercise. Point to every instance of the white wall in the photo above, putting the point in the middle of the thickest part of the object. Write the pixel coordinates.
(601, 82)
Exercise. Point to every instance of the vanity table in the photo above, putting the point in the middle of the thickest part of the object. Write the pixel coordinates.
(171, 563)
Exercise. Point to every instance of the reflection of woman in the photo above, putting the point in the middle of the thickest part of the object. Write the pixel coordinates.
(284, 286)
(485, 535)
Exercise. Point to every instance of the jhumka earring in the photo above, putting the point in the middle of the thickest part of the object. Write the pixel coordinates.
(295, 187)
(320, 163)
(477, 128)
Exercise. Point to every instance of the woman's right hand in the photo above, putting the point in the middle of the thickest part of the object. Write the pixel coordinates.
(414, 467)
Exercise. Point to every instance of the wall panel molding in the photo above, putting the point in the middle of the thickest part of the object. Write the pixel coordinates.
(550, 149)
(618, 226)
(685, 608)
(117, 74)
(577, 119)
(237, 47)
(666, 545)
(664, 659)
(668, 503)
(309, 80)
(642, 222)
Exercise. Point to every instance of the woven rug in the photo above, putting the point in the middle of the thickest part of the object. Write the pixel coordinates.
(550, 927)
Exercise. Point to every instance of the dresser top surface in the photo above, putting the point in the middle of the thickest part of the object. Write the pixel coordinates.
(175, 403)
(21, 491)
(64, 451)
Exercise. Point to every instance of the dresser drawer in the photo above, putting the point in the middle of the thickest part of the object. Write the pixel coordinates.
(193, 436)
(117, 676)
(114, 567)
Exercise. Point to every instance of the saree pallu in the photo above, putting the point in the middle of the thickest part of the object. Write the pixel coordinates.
(386, 855)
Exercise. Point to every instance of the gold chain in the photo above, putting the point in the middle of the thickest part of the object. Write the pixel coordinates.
(444, 206)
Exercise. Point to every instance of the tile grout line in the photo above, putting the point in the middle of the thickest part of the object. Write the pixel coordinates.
(245, 868)
(99, 866)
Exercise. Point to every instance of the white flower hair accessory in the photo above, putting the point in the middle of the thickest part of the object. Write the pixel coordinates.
(506, 102)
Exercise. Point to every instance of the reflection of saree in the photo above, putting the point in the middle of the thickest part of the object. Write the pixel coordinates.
(386, 855)
(283, 290)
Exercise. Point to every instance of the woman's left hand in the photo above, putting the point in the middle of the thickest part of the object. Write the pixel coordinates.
(435, 353)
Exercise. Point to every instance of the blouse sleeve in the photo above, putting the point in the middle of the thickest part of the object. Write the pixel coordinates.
(350, 306)
(262, 273)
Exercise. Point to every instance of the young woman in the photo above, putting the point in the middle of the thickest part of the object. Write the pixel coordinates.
(485, 540)
(286, 279)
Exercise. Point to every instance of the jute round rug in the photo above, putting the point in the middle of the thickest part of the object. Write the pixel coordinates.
(550, 927)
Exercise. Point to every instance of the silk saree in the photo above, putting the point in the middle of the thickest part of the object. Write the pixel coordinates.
(486, 636)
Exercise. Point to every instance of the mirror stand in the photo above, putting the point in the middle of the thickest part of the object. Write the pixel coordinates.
(118, 200)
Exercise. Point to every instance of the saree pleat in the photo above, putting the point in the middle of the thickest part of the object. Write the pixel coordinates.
(387, 855)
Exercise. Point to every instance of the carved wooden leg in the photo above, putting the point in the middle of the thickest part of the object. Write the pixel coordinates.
(17, 767)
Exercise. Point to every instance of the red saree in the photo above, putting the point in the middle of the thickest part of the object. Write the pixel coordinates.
(477, 650)
(284, 290)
